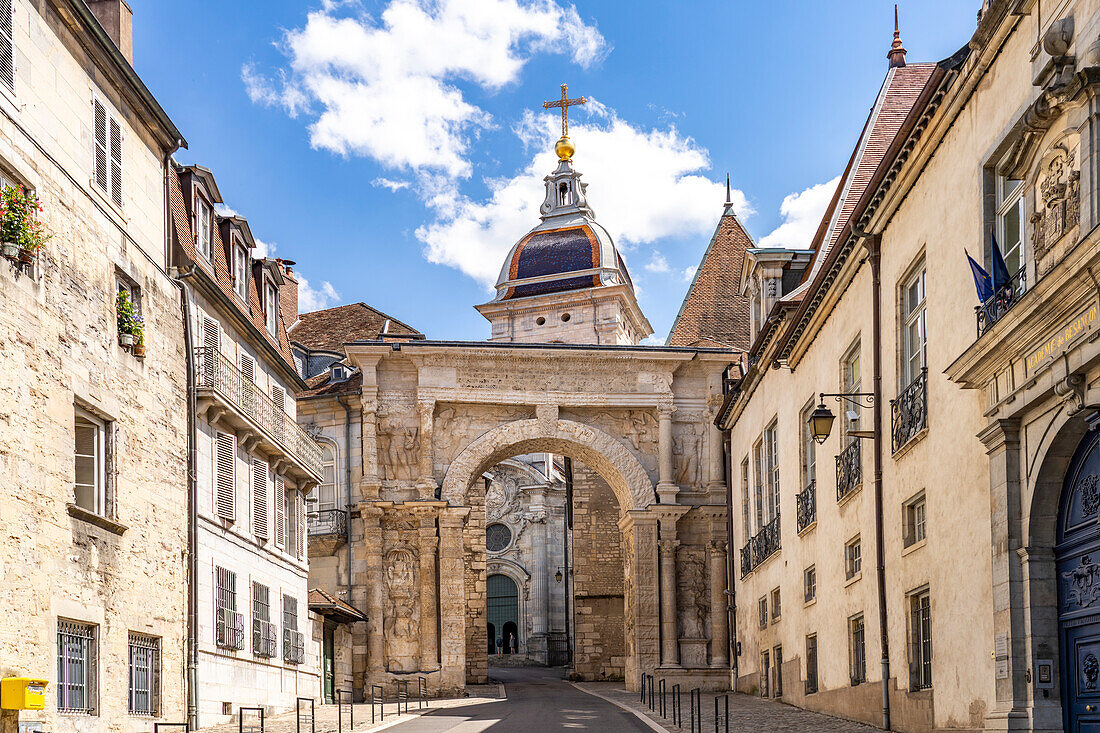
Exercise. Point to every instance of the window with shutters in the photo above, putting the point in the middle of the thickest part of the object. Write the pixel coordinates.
(263, 631)
(107, 161)
(203, 228)
(229, 626)
(278, 396)
(280, 513)
(89, 451)
(293, 640)
(144, 656)
(225, 476)
(7, 44)
(240, 272)
(260, 483)
(76, 667)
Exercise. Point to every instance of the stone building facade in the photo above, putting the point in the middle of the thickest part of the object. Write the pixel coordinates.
(253, 463)
(930, 560)
(421, 429)
(93, 438)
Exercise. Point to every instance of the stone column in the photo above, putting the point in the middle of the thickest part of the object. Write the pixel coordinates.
(1002, 441)
(716, 474)
(372, 548)
(719, 621)
(452, 599)
(670, 647)
(429, 628)
(372, 480)
(666, 486)
(425, 483)
(540, 595)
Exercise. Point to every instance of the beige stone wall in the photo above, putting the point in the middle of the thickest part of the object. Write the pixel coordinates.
(59, 340)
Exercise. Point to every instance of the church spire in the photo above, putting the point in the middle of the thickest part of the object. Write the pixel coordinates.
(897, 51)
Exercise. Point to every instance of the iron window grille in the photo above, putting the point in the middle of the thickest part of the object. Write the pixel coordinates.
(76, 667)
(920, 641)
(228, 622)
(909, 412)
(293, 640)
(144, 688)
(811, 664)
(805, 503)
(263, 631)
(858, 665)
(849, 469)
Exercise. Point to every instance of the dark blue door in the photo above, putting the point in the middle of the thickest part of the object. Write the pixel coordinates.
(1078, 558)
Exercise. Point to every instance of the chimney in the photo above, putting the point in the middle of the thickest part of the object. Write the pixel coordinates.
(288, 293)
(117, 19)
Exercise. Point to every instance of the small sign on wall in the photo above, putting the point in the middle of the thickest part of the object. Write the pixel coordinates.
(1000, 656)
(1044, 674)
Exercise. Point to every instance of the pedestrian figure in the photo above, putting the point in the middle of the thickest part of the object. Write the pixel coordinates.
(500, 645)
(512, 643)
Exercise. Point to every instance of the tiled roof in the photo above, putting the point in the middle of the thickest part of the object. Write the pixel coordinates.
(714, 313)
(219, 271)
(327, 604)
(899, 94)
(330, 329)
(554, 252)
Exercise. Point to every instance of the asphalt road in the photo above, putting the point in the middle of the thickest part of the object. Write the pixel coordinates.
(538, 700)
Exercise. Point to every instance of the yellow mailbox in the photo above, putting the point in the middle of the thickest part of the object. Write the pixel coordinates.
(22, 693)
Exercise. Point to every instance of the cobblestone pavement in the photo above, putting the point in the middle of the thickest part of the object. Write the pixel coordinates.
(385, 717)
(748, 714)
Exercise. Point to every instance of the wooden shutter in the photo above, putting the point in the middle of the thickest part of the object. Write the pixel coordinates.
(299, 524)
(225, 469)
(248, 368)
(116, 161)
(99, 172)
(280, 513)
(211, 333)
(7, 45)
(259, 498)
(278, 396)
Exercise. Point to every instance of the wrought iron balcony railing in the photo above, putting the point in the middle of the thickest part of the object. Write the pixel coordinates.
(1002, 301)
(849, 469)
(328, 522)
(909, 412)
(216, 372)
(806, 506)
(264, 635)
(760, 547)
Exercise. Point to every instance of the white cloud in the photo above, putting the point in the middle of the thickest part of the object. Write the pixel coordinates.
(263, 249)
(386, 87)
(389, 183)
(802, 214)
(645, 185)
(689, 273)
(658, 263)
(315, 299)
(223, 210)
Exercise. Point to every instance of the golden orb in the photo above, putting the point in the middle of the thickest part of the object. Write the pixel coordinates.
(564, 148)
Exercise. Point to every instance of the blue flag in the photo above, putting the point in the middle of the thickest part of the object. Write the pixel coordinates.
(982, 281)
(1001, 275)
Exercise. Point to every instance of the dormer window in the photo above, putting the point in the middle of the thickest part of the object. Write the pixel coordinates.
(240, 270)
(271, 309)
(338, 373)
(203, 228)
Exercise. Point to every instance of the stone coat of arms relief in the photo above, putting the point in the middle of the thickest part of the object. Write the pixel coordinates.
(1057, 203)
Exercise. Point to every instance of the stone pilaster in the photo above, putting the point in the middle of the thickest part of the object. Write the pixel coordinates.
(429, 625)
(719, 622)
(540, 592)
(372, 481)
(666, 486)
(373, 587)
(425, 483)
(639, 530)
(452, 598)
(716, 463)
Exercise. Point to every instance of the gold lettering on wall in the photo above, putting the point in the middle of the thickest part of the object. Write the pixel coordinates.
(1065, 336)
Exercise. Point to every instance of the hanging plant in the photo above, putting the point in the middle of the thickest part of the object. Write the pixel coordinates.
(131, 327)
(20, 226)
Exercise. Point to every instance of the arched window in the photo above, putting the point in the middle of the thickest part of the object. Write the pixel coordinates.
(326, 492)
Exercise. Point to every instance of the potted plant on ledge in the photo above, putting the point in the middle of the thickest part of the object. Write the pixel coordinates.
(130, 325)
(22, 234)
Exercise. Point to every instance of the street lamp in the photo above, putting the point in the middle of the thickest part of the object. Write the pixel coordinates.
(821, 423)
(558, 576)
(822, 418)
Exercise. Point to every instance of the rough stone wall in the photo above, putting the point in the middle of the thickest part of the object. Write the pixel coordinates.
(473, 537)
(598, 579)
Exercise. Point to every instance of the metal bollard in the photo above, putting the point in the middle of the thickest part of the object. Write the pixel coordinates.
(402, 695)
(307, 717)
(422, 691)
(253, 727)
(661, 706)
(642, 687)
(344, 699)
(158, 727)
(650, 692)
(696, 704)
(376, 697)
(677, 707)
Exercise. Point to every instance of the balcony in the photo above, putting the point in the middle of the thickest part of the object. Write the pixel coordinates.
(328, 530)
(763, 545)
(806, 506)
(227, 396)
(994, 309)
(849, 469)
(909, 412)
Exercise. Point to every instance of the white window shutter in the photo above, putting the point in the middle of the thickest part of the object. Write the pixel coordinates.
(100, 169)
(300, 524)
(116, 162)
(260, 483)
(280, 513)
(225, 469)
(211, 333)
(7, 45)
(248, 368)
(278, 396)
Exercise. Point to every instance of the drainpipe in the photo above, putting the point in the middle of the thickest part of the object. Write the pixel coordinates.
(347, 484)
(731, 593)
(873, 245)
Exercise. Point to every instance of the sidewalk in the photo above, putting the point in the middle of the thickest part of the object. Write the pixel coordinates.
(326, 715)
(747, 713)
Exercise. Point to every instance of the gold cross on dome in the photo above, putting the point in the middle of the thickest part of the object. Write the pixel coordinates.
(565, 103)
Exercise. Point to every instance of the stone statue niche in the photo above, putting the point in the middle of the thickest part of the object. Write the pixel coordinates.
(398, 444)
(694, 606)
(401, 621)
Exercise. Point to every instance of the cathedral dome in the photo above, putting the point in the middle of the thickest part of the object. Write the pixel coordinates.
(568, 250)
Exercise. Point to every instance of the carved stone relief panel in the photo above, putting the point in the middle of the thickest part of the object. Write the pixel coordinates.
(636, 428)
(458, 425)
(694, 602)
(1057, 202)
(687, 452)
(398, 440)
(401, 622)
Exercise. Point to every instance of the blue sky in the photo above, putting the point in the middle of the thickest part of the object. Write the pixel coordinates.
(394, 148)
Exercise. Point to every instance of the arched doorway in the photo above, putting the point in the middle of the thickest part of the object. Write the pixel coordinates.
(1077, 556)
(502, 609)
